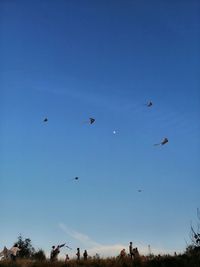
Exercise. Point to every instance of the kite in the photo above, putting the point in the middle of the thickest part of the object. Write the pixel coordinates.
(149, 104)
(92, 120)
(62, 245)
(165, 141)
(45, 120)
(139, 190)
(75, 178)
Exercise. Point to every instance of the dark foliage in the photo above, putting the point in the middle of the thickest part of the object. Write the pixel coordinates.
(26, 248)
(39, 255)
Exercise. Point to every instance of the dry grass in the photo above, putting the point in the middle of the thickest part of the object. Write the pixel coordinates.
(164, 261)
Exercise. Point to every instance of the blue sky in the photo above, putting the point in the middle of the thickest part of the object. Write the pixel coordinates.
(71, 60)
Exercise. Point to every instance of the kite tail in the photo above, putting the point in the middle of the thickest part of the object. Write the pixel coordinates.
(62, 245)
(157, 144)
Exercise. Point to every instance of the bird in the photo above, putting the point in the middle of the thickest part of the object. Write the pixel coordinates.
(45, 120)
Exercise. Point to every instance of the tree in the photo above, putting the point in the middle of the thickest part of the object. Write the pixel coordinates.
(26, 248)
(195, 233)
(39, 255)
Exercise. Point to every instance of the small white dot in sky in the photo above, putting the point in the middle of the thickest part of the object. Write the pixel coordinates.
(114, 132)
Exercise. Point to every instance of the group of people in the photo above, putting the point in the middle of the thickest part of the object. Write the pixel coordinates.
(10, 254)
(78, 254)
(133, 252)
(56, 250)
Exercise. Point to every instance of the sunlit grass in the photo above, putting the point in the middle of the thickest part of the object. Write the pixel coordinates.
(162, 261)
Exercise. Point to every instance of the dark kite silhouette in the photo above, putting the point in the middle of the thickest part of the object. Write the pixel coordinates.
(92, 120)
(149, 104)
(165, 141)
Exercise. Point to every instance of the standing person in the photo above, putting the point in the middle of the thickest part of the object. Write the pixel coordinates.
(13, 252)
(52, 254)
(136, 253)
(56, 252)
(131, 250)
(122, 253)
(85, 255)
(5, 253)
(78, 254)
(66, 258)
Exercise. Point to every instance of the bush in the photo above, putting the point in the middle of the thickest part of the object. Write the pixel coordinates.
(39, 255)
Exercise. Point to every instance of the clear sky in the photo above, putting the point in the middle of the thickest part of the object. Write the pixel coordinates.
(72, 60)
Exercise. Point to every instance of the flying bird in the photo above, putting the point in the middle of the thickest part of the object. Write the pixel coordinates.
(164, 141)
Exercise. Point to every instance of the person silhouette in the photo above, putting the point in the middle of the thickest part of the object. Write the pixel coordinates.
(131, 250)
(85, 255)
(78, 253)
(14, 251)
(66, 259)
(52, 253)
(122, 253)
